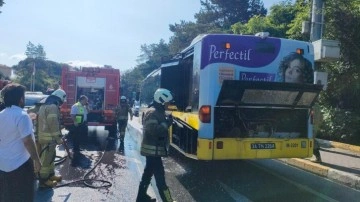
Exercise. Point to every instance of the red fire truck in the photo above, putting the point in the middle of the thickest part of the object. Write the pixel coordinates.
(101, 85)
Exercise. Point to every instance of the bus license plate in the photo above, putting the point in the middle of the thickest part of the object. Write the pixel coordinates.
(262, 145)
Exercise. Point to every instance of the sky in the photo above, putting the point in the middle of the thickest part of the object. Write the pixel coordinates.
(89, 32)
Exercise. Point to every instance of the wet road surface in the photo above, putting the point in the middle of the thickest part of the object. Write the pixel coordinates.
(189, 180)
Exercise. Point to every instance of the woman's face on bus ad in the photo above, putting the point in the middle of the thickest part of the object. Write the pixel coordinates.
(293, 73)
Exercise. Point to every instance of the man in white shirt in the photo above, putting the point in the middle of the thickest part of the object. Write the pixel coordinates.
(19, 159)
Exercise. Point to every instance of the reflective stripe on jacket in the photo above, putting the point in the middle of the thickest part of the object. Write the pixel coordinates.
(49, 123)
(79, 117)
(155, 134)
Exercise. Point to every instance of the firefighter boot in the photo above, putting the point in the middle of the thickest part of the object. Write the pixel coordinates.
(166, 196)
(56, 178)
(142, 195)
(48, 184)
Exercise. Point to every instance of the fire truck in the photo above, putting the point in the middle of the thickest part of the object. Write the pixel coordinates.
(101, 85)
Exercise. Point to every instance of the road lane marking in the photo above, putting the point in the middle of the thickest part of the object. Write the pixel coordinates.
(233, 194)
(300, 186)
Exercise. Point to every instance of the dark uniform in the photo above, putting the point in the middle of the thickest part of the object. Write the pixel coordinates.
(153, 147)
(121, 112)
(80, 130)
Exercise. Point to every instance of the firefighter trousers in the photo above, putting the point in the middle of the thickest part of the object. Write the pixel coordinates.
(154, 166)
(47, 157)
(122, 123)
(79, 134)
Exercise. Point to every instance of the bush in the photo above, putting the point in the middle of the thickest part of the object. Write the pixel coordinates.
(339, 125)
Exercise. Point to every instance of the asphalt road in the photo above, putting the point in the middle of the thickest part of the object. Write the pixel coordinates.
(189, 180)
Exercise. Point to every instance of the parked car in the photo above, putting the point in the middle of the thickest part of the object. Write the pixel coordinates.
(32, 98)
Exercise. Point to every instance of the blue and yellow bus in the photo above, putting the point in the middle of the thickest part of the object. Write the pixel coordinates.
(240, 97)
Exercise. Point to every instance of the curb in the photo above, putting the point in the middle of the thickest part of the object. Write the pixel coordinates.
(341, 177)
(327, 143)
(347, 179)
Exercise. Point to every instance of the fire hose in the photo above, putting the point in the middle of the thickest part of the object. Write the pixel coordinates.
(86, 181)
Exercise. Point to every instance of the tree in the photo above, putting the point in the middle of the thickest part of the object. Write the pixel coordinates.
(300, 12)
(257, 24)
(151, 57)
(223, 14)
(1, 3)
(185, 32)
(33, 51)
(47, 72)
(338, 102)
(284, 20)
(215, 16)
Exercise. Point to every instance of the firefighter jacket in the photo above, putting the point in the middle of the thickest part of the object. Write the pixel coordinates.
(155, 134)
(122, 110)
(49, 123)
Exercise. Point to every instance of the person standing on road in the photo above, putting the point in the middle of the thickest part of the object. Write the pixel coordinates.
(49, 135)
(121, 113)
(78, 114)
(19, 159)
(155, 145)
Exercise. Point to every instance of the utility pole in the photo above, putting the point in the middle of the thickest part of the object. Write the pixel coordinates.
(317, 17)
(32, 88)
(316, 24)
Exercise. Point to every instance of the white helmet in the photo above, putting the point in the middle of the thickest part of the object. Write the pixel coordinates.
(162, 95)
(122, 98)
(60, 94)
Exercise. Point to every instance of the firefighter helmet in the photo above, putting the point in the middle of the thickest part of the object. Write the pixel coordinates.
(123, 99)
(162, 95)
(60, 94)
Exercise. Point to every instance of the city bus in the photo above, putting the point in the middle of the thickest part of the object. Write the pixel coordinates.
(240, 97)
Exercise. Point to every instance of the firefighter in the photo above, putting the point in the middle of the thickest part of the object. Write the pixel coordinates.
(155, 145)
(49, 135)
(121, 112)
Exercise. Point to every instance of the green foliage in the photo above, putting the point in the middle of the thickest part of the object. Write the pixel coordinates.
(148, 88)
(151, 57)
(223, 14)
(340, 101)
(340, 125)
(1, 3)
(47, 73)
(130, 82)
(256, 24)
(284, 20)
(301, 12)
(33, 51)
(185, 32)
